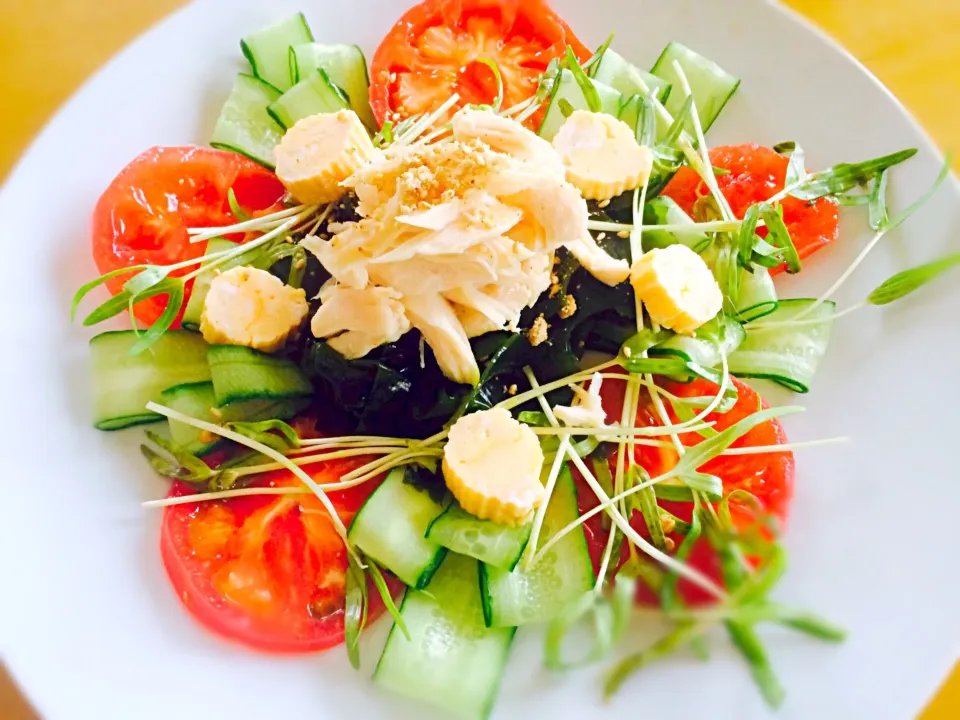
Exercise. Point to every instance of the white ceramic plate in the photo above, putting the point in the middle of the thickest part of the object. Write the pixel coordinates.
(90, 626)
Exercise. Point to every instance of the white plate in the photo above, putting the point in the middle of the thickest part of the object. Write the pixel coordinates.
(90, 626)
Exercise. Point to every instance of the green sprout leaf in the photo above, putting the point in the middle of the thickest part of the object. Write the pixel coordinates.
(708, 449)
(387, 598)
(747, 237)
(151, 276)
(646, 502)
(620, 673)
(608, 616)
(647, 123)
(746, 640)
(548, 81)
(901, 217)
(590, 93)
(385, 136)
(796, 169)
(668, 594)
(274, 434)
(566, 109)
(908, 281)
(877, 203)
(779, 236)
(178, 464)
(728, 274)
(643, 341)
(814, 626)
(846, 176)
(88, 287)
(673, 133)
(174, 289)
(238, 212)
(709, 485)
(593, 64)
(498, 99)
(356, 608)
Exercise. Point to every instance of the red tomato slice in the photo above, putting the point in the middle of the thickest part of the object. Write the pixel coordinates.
(266, 571)
(767, 476)
(756, 174)
(143, 216)
(437, 47)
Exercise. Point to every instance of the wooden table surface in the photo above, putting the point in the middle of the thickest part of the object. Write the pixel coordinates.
(910, 44)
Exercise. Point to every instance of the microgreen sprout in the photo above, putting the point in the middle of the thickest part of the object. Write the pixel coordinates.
(693, 575)
(497, 102)
(264, 450)
(423, 124)
(890, 224)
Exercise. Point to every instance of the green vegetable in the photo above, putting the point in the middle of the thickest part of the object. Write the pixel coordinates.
(745, 639)
(179, 464)
(355, 609)
(587, 87)
(843, 177)
(908, 281)
(668, 593)
(498, 99)
(620, 673)
(779, 236)
(272, 433)
(608, 615)
(710, 448)
(238, 212)
(879, 216)
(796, 169)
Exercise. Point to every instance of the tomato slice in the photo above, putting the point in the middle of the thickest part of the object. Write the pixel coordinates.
(266, 571)
(768, 476)
(143, 216)
(756, 174)
(437, 48)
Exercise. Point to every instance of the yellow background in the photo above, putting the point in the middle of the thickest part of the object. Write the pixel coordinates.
(48, 47)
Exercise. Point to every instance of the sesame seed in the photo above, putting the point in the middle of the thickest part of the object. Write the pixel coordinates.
(602, 236)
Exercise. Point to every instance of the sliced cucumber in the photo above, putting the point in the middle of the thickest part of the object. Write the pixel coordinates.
(757, 292)
(723, 334)
(198, 400)
(664, 211)
(789, 356)
(567, 97)
(268, 50)
(452, 661)
(313, 95)
(711, 85)
(123, 384)
(523, 596)
(614, 70)
(244, 125)
(240, 373)
(496, 545)
(391, 528)
(347, 69)
(630, 112)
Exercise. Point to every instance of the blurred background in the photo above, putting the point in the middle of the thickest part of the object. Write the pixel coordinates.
(911, 45)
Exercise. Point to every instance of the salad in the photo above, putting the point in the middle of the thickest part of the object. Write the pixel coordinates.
(462, 340)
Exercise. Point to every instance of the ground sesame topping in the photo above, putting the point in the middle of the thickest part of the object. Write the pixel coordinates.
(569, 307)
(539, 331)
